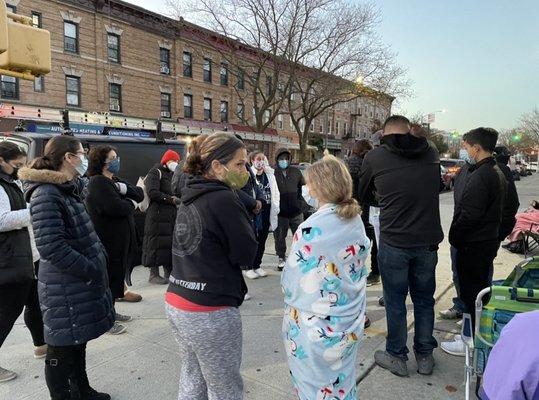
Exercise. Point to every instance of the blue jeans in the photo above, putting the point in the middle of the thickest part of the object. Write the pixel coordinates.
(402, 270)
(457, 302)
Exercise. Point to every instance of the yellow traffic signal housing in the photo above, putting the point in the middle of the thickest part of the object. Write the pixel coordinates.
(3, 28)
(25, 51)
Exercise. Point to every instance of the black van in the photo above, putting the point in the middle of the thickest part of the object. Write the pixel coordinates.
(138, 155)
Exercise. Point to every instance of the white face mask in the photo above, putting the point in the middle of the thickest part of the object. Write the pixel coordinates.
(172, 165)
(308, 198)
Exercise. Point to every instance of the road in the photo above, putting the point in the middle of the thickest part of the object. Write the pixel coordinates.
(143, 363)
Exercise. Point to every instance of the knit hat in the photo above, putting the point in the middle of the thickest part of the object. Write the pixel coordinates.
(170, 155)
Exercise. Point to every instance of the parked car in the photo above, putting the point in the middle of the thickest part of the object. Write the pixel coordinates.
(447, 178)
(452, 167)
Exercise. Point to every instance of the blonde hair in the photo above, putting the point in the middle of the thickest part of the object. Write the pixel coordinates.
(332, 182)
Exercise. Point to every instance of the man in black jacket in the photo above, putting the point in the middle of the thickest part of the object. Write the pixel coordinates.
(405, 174)
(475, 229)
(289, 180)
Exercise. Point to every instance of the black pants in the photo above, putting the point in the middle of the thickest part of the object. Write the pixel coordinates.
(261, 237)
(65, 372)
(475, 264)
(281, 233)
(369, 230)
(14, 297)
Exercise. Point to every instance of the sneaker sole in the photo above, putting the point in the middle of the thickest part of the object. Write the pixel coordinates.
(9, 379)
(424, 374)
(119, 332)
(449, 318)
(454, 353)
(40, 356)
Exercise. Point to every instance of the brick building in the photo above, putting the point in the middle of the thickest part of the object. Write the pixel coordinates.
(114, 57)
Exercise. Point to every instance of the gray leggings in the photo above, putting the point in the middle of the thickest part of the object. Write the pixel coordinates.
(210, 351)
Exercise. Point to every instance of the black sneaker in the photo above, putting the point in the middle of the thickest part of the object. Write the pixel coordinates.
(425, 364)
(373, 279)
(367, 322)
(381, 301)
(92, 394)
(393, 364)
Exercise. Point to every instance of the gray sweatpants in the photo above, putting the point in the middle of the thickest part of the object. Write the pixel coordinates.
(210, 352)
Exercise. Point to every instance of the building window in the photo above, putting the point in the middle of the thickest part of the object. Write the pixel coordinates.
(187, 65)
(10, 87)
(224, 111)
(113, 48)
(321, 128)
(269, 85)
(280, 89)
(73, 91)
(207, 70)
(164, 61)
(280, 123)
(224, 74)
(207, 109)
(165, 105)
(240, 112)
(338, 128)
(37, 20)
(71, 37)
(187, 106)
(360, 111)
(346, 128)
(11, 8)
(311, 127)
(39, 84)
(115, 100)
(267, 114)
(240, 84)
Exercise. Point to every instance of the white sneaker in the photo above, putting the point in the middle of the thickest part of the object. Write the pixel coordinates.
(459, 323)
(247, 297)
(455, 348)
(251, 274)
(261, 273)
(281, 265)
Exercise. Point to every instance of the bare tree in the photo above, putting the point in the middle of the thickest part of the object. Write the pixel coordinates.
(300, 57)
(530, 125)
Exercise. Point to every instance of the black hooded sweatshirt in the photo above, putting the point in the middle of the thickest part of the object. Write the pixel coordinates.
(212, 238)
(404, 173)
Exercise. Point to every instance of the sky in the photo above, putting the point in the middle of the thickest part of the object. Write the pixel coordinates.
(475, 60)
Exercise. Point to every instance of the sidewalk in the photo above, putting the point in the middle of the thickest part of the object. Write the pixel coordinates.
(143, 363)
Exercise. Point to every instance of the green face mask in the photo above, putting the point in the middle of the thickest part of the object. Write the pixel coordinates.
(236, 180)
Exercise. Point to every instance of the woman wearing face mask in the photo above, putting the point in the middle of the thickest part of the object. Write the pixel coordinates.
(18, 286)
(268, 217)
(111, 203)
(160, 216)
(206, 285)
(73, 285)
(324, 284)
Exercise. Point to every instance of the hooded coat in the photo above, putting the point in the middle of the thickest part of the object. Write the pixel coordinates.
(160, 217)
(73, 287)
(210, 244)
(289, 182)
(404, 172)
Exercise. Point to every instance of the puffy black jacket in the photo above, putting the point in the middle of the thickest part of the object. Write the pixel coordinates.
(160, 216)
(16, 264)
(210, 244)
(511, 205)
(404, 172)
(72, 283)
(289, 183)
(479, 205)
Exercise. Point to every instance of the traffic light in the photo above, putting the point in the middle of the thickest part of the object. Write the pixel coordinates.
(517, 137)
(25, 51)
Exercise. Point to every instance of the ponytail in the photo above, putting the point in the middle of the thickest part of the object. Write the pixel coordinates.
(55, 151)
(348, 209)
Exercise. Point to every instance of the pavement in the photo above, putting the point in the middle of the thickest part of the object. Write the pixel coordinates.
(143, 363)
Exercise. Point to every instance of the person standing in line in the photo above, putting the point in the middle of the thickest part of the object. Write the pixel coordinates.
(206, 285)
(111, 203)
(19, 262)
(180, 177)
(512, 203)
(324, 284)
(404, 172)
(160, 216)
(289, 182)
(354, 163)
(267, 219)
(73, 284)
(253, 200)
(476, 223)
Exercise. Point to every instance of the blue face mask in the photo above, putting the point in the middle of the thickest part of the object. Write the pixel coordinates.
(464, 155)
(83, 166)
(114, 166)
(308, 198)
(283, 164)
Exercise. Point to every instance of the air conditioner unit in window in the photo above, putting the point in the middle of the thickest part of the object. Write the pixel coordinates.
(165, 114)
(165, 69)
